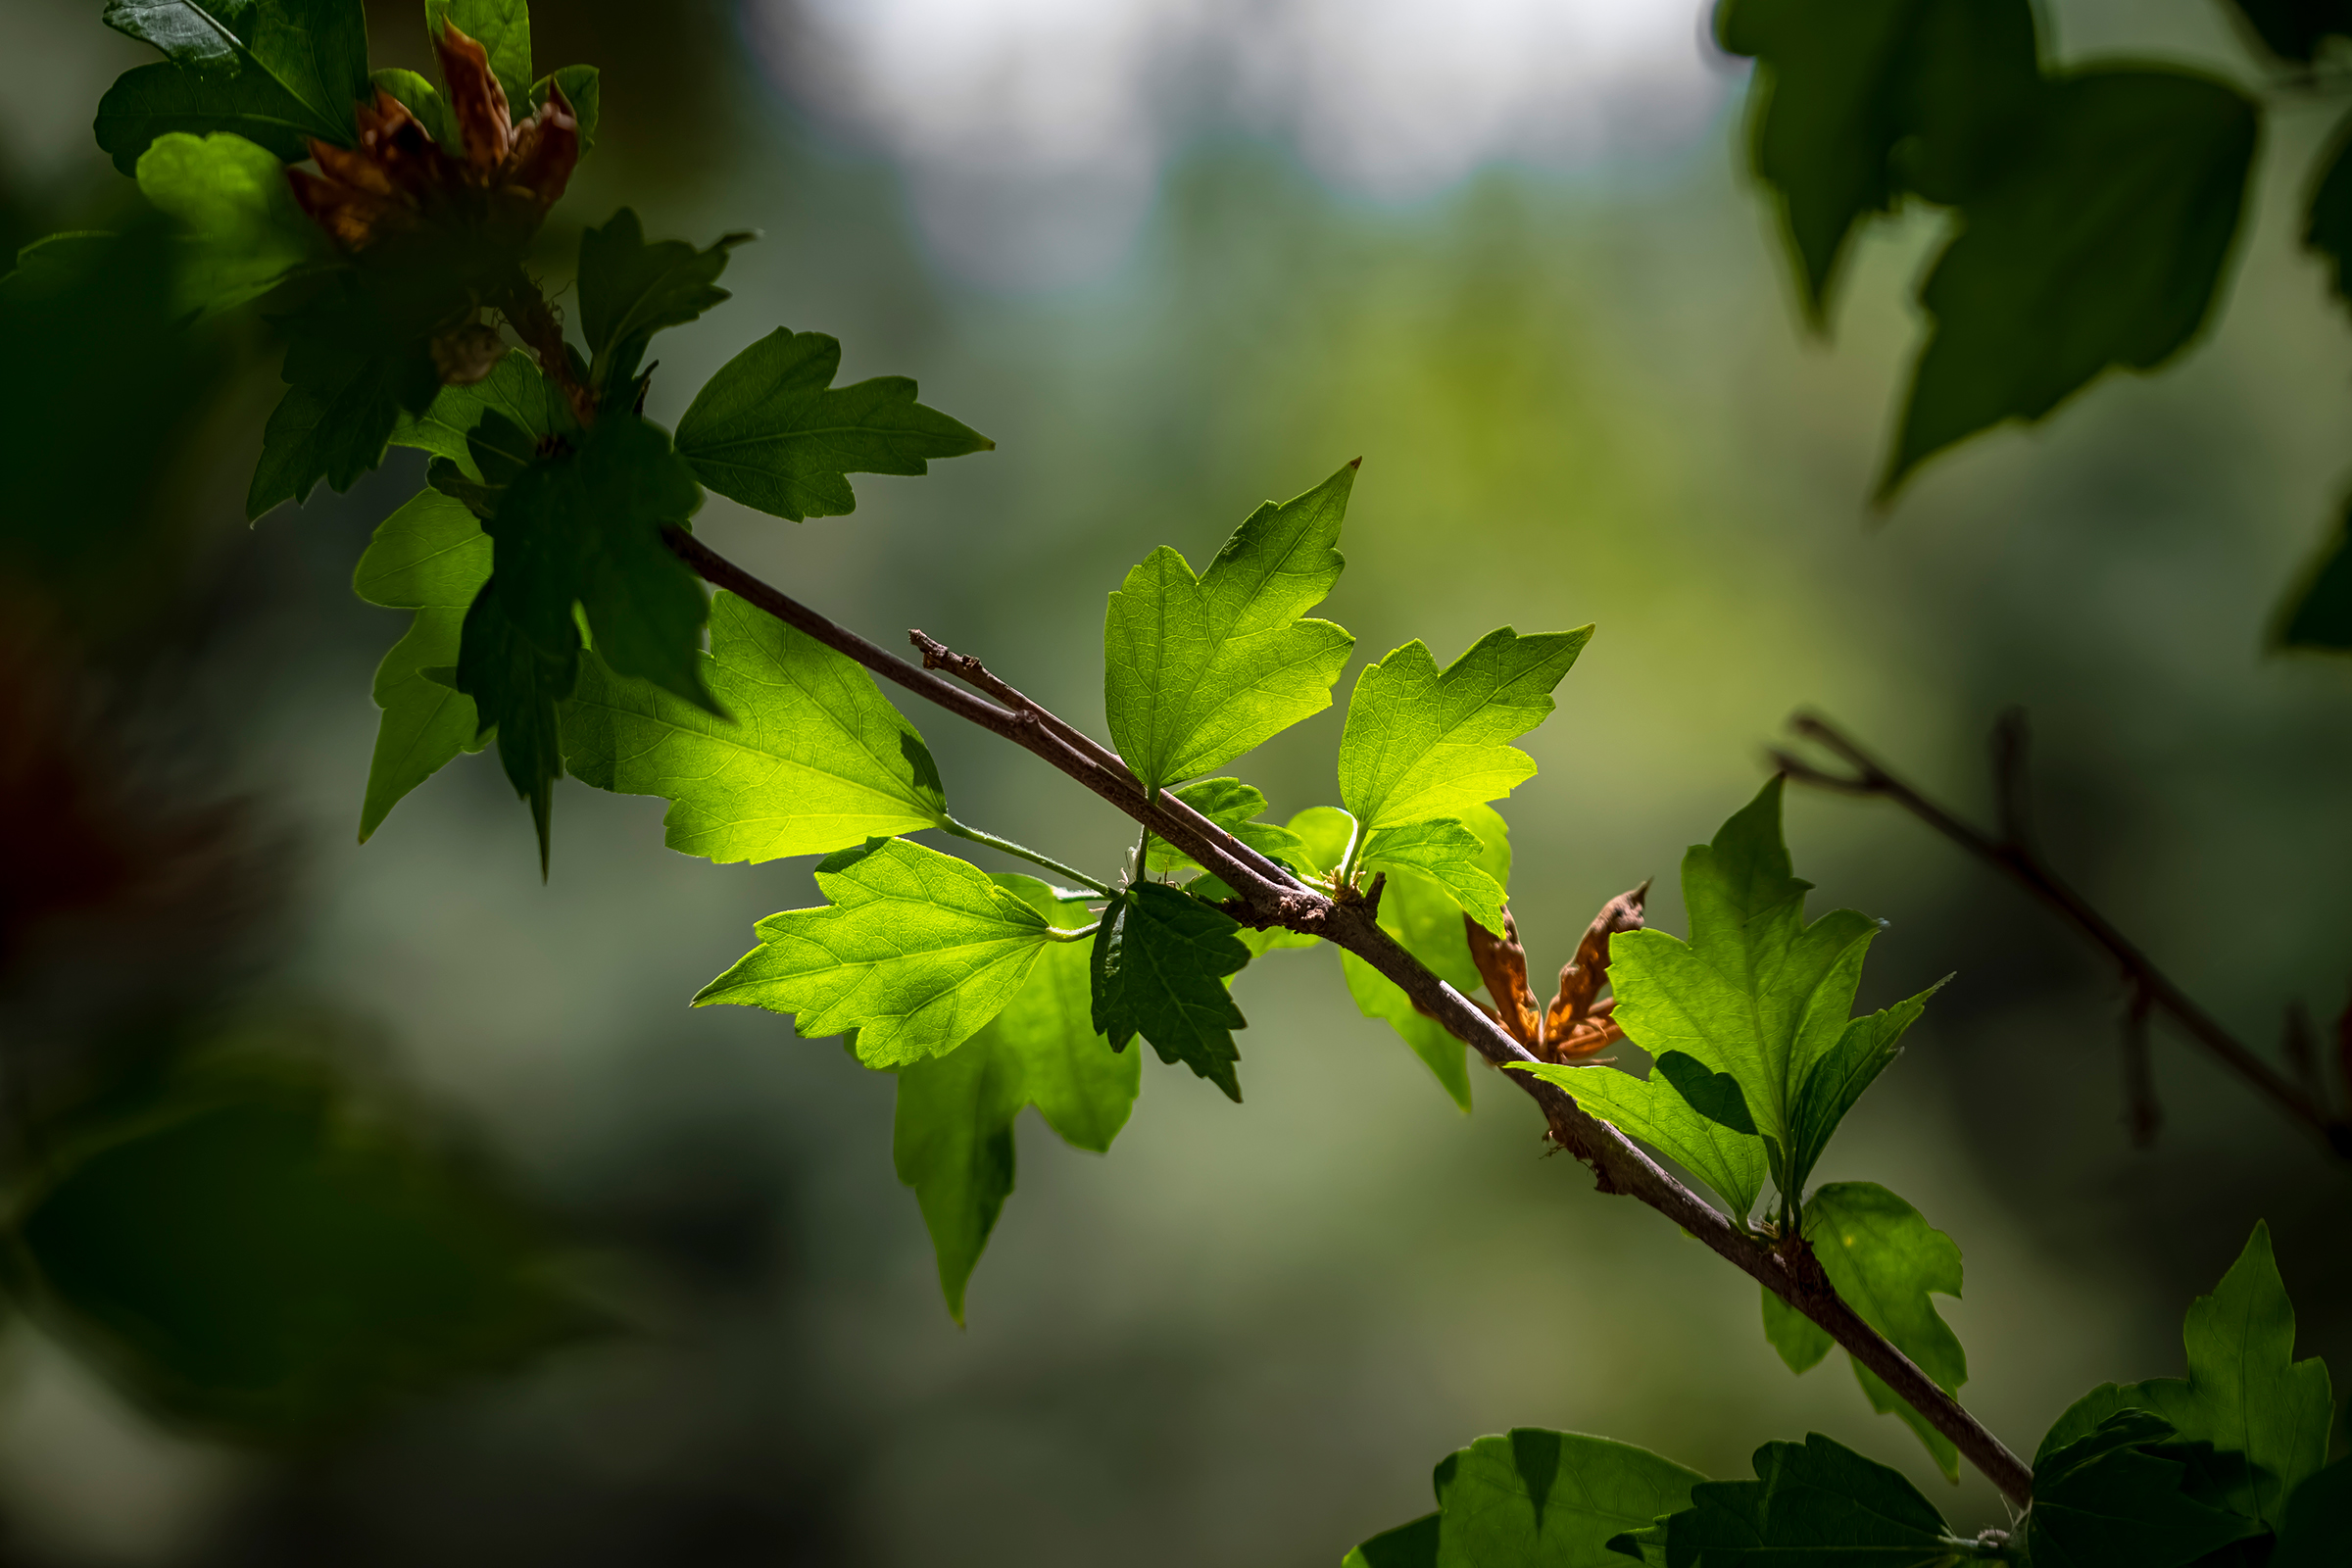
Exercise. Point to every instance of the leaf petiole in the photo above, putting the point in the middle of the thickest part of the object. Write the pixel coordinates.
(1084, 933)
(977, 836)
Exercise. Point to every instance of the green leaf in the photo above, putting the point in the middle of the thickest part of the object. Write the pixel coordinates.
(276, 72)
(1234, 806)
(772, 431)
(503, 27)
(1160, 959)
(2328, 225)
(812, 760)
(245, 233)
(519, 669)
(583, 90)
(1447, 854)
(1421, 744)
(954, 1138)
(350, 372)
(1730, 1163)
(1812, 1502)
(249, 1248)
(1534, 1498)
(915, 950)
(1801, 1341)
(1883, 1260)
(515, 391)
(1854, 103)
(420, 97)
(2104, 246)
(431, 557)
(630, 290)
(1755, 991)
(585, 527)
(2317, 1532)
(1199, 670)
(1834, 1082)
(2246, 1393)
(2317, 612)
(1425, 919)
(2106, 1501)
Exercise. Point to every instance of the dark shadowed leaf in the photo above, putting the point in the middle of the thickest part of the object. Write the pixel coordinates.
(2102, 247)
(1160, 959)
(630, 290)
(274, 71)
(1813, 1503)
(2105, 1501)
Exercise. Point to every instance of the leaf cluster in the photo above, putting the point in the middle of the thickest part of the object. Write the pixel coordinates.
(2226, 1468)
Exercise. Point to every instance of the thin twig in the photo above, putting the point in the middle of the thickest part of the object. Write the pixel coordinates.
(2142, 1113)
(2015, 857)
(1277, 899)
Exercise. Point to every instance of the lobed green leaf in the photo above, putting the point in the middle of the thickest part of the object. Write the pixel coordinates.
(953, 1138)
(1534, 1498)
(1234, 806)
(2104, 247)
(630, 290)
(274, 71)
(2246, 1393)
(245, 234)
(1729, 1163)
(1811, 1502)
(812, 757)
(772, 431)
(1160, 959)
(1884, 1258)
(915, 952)
(1198, 671)
(2114, 1498)
(430, 557)
(1423, 744)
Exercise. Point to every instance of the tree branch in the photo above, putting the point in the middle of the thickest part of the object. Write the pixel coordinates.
(2148, 987)
(1272, 897)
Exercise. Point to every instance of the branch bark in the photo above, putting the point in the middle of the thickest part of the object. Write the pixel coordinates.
(1274, 897)
(2013, 854)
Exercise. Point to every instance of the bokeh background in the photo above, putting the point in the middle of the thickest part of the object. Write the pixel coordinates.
(1177, 257)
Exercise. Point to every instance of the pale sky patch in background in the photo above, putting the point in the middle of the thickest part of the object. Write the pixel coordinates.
(1034, 133)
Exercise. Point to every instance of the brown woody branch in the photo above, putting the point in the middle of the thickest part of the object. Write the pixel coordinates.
(2012, 851)
(1272, 897)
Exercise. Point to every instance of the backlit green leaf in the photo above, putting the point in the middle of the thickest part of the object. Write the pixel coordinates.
(1535, 1498)
(1729, 1163)
(1801, 1341)
(1447, 854)
(1756, 992)
(630, 290)
(1423, 744)
(954, 1136)
(276, 72)
(1884, 1259)
(1199, 670)
(1835, 1081)
(1160, 959)
(2103, 246)
(431, 557)
(245, 233)
(811, 759)
(2246, 1393)
(772, 431)
(915, 952)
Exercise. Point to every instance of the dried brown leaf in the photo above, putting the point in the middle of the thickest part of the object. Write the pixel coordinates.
(1502, 963)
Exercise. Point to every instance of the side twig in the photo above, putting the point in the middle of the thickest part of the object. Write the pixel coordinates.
(1272, 897)
(2012, 854)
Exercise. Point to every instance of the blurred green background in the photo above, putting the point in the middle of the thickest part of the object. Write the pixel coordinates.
(1530, 288)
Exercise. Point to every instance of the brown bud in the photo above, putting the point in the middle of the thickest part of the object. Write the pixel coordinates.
(1582, 976)
(465, 355)
(476, 99)
(1502, 963)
